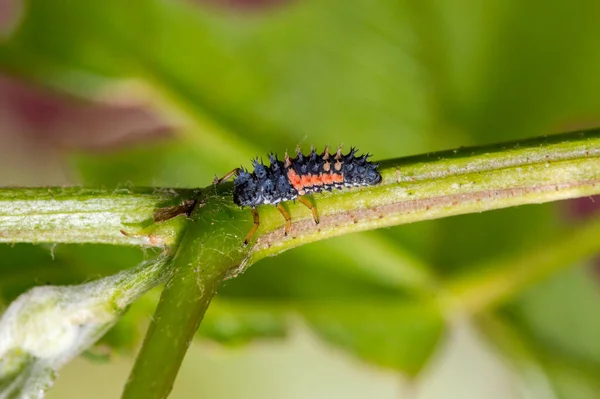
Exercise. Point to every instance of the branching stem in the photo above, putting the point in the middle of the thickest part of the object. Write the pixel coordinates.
(209, 241)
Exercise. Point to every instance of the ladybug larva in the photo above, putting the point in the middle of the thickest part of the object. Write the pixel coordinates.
(293, 178)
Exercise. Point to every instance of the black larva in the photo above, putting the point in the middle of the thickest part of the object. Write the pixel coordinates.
(293, 178)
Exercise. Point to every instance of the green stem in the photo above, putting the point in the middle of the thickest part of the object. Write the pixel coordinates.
(83, 215)
(205, 256)
(418, 188)
(413, 189)
(443, 184)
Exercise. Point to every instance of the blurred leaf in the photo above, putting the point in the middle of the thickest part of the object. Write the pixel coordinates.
(396, 334)
(237, 323)
(551, 334)
(461, 242)
(308, 276)
(273, 72)
(496, 75)
(562, 313)
(393, 78)
(402, 336)
(371, 316)
(24, 266)
(321, 69)
(495, 64)
(174, 164)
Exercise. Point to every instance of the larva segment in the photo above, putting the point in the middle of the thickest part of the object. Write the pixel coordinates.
(317, 180)
(295, 180)
(327, 179)
(306, 181)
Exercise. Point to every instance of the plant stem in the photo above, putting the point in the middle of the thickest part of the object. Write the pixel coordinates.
(418, 188)
(444, 184)
(413, 189)
(83, 215)
(206, 254)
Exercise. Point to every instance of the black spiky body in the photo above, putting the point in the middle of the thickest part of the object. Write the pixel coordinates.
(305, 174)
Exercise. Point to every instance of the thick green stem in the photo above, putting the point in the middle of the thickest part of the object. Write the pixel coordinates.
(205, 256)
(123, 216)
(443, 184)
(416, 188)
(419, 188)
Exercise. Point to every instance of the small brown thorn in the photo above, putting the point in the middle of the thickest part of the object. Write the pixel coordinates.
(338, 153)
(287, 162)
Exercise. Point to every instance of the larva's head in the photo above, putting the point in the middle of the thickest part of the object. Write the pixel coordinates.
(246, 190)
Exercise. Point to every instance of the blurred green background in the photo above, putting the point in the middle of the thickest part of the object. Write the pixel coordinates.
(170, 93)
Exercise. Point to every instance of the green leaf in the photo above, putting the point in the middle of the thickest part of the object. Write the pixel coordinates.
(562, 313)
(400, 335)
(470, 240)
(392, 333)
(26, 265)
(365, 307)
(391, 77)
(551, 334)
(236, 323)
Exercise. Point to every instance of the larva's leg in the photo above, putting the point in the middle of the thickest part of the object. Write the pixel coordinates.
(310, 206)
(254, 227)
(226, 177)
(286, 216)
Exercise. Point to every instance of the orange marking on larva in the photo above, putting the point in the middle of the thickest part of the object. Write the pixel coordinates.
(294, 179)
(326, 178)
(306, 181)
(316, 180)
(337, 178)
